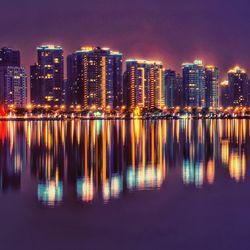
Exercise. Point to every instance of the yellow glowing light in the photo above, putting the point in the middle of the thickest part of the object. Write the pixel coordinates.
(161, 88)
(103, 79)
(87, 48)
(137, 112)
(143, 85)
(224, 83)
(29, 106)
(93, 107)
(210, 171)
(237, 69)
(210, 67)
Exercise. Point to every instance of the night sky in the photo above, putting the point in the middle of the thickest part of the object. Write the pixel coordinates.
(176, 31)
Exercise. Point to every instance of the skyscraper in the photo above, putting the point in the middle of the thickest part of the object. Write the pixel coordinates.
(178, 91)
(224, 94)
(46, 76)
(169, 85)
(143, 81)
(238, 86)
(117, 79)
(13, 80)
(194, 84)
(15, 90)
(95, 77)
(74, 95)
(212, 86)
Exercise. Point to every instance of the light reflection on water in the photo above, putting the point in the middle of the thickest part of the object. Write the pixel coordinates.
(102, 160)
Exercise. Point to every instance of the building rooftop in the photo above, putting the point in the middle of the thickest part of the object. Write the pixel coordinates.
(237, 69)
(49, 47)
(141, 61)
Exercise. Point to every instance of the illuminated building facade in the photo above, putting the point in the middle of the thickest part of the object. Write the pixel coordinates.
(15, 87)
(212, 86)
(74, 87)
(95, 77)
(117, 79)
(224, 94)
(194, 84)
(46, 76)
(238, 86)
(169, 83)
(13, 80)
(178, 91)
(143, 81)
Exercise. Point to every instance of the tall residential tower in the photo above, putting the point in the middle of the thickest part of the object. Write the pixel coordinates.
(46, 76)
(238, 86)
(95, 78)
(194, 84)
(169, 87)
(13, 79)
(143, 84)
(212, 86)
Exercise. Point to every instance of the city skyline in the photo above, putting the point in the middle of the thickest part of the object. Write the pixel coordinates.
(224, 68)
(124, 124)
(96, 79)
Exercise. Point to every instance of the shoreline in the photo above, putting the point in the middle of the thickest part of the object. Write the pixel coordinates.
(7, 119)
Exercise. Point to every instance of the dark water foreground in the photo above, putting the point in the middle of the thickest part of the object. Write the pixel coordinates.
(125, 184)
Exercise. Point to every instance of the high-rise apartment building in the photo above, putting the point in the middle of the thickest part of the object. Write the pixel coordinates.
(178, 91)
(169, 87)
(212, 86)
(194, 84)
(238, 86)
(224, 94)
(46, 76)
(143, 81)
(95, 78)
(15, 89)
(13, 79)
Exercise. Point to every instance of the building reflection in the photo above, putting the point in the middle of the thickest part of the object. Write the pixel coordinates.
(14, 155)
(48, 160)
(95, 160)
(105, 163)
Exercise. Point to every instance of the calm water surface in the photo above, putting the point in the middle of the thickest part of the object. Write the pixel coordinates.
(125, 184)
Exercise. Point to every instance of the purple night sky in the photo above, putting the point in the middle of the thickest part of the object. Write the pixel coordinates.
(175, 31)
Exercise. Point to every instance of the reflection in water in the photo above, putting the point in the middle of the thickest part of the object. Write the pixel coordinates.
(50, 192)
(103, 160)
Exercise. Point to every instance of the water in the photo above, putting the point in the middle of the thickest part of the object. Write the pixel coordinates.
(125, 184)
